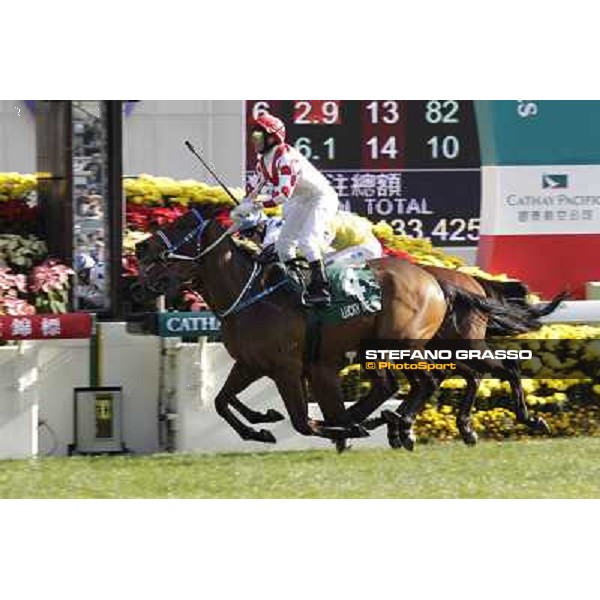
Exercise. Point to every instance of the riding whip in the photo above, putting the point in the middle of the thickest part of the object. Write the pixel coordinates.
(197, 155)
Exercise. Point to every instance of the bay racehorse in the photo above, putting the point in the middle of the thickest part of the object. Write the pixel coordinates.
(265, 329)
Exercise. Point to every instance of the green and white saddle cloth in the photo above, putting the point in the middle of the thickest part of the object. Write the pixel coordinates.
(354, 292)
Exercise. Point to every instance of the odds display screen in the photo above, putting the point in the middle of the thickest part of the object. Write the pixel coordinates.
(412, 163)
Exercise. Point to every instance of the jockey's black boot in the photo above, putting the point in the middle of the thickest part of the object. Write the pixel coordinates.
(294, 273)
(317, 293)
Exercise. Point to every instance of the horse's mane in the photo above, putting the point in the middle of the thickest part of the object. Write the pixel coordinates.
(247, 246)
(222, 217)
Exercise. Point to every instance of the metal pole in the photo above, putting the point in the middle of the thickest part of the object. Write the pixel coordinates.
(95, 354)
(162, 409)
(115, 202)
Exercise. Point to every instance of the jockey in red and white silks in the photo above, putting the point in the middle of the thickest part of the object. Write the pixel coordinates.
(309, 201)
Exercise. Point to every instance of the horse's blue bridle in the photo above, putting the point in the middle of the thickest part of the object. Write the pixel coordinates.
(171, 250)
(238, 304)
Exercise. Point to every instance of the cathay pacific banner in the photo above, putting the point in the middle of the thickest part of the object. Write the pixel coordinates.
(187, 324)
(548, 199)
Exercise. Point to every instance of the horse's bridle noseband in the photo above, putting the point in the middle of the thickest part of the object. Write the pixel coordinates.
(171, 251)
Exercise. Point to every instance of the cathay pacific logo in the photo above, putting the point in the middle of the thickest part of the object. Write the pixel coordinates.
(555, 182)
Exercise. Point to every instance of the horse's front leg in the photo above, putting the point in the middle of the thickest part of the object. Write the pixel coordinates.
(292, 389)
(463, 417)
(254, 416)
(383, 386)
(239, 378)
(400, 423)
(326, 385)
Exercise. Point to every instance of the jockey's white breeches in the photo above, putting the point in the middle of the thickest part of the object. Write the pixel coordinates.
(305, 227)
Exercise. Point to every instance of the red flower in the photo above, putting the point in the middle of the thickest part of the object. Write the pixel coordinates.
(16, 216)
(10, 281)
(15, 307)
(49, 276)
(397, 254)
(194, 301)
(143, 217)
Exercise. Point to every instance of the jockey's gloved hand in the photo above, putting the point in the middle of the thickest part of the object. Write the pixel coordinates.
(251, 221)
(243, 209)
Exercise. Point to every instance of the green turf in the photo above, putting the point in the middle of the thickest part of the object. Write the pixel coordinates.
(566, 468)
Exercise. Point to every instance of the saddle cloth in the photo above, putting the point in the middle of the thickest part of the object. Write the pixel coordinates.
(354, 292)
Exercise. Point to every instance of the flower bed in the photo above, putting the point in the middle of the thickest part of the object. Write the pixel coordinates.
(30, 281)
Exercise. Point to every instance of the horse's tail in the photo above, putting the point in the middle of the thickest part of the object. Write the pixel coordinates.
(550, 307)
(514, 293)
(503, 291)
(503, 318)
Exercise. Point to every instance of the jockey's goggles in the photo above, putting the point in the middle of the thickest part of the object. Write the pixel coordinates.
(257, 135)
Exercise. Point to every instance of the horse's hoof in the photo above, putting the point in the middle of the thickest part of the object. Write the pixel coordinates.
(264, 435)
(273, 416)
(469, 437)
(394, 442)
(408, 440)
(342, 445)
(397, 422)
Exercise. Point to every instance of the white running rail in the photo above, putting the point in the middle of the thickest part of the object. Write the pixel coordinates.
(575, 311)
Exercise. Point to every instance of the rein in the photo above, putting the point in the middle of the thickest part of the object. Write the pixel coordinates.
(171, 253)
(250, 281)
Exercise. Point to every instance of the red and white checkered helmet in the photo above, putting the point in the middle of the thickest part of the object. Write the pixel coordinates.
(271, 125)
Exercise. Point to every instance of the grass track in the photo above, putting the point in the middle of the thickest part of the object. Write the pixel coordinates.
(564, 468)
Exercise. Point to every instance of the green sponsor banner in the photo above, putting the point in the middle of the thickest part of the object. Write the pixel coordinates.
(188, 324)
(539, 132)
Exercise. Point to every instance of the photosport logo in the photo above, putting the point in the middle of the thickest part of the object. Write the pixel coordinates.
(531, 358)
(555, 182)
